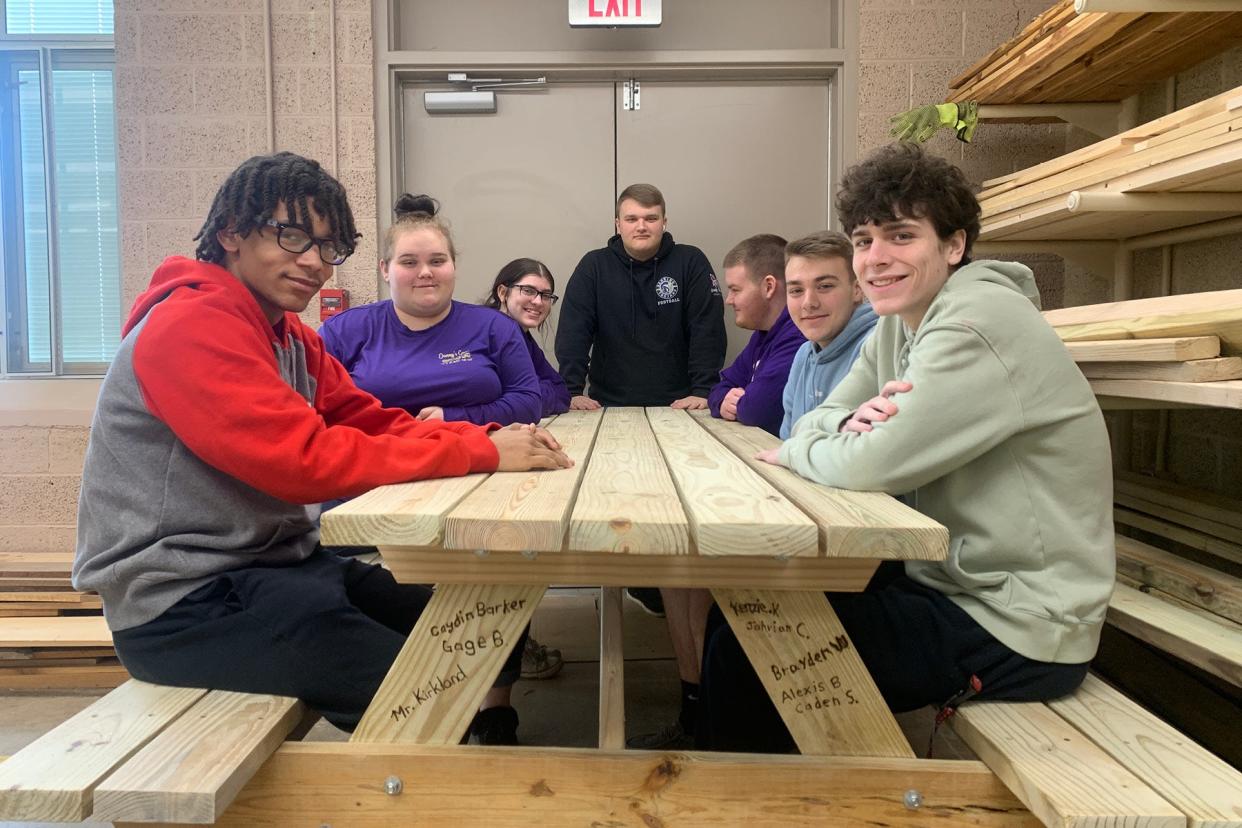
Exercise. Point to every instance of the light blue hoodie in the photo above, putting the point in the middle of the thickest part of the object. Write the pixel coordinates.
(816, 371)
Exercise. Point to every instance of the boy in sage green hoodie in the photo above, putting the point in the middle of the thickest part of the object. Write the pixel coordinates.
(965, 401)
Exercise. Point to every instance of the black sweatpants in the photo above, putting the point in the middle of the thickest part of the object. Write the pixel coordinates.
(920, 647)
(325, 631)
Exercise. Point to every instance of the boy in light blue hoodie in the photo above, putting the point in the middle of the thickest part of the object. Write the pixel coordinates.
(825, 302)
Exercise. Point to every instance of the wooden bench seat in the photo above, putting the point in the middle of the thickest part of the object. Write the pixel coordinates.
(147, 753)
(1095, 758)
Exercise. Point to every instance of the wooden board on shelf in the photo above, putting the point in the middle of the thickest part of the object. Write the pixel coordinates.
(1209, 505)
(1210, 313)
(1169, 349)
(1194, 583)
(1210, 394)
(1201, 638)
(1064, 56)
(1195, 370)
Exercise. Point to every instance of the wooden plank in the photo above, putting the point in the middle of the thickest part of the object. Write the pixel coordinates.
(732, 510)
(448, 663)
(1205, 640)
(1195, 540)
(526, 510)
(323, 783)
(1200, 585)
(851, 524)
(1167, 349)
(1165, 511)
(1198, 370)
(53, 777)
(1226, 394)
(43, 596)
(193, 769)
(627, 501)
(611, 670)
(412, 565)
(1194, 781)
(812, 672)
(404, 514)
(1217, 312)
(64, 678)
(1193, 501)
(76, 631)
(1057, 772)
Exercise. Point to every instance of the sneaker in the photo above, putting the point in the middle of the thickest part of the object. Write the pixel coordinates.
(495, 726)
(669, 737)
(648, 598)
(540, 662)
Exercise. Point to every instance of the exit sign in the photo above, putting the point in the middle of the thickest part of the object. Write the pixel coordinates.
(614, 12)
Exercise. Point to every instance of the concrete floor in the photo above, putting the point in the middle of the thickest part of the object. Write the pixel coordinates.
(556, 712)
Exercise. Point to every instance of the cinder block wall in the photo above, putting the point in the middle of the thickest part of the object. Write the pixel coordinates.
(192, 88)
(191, 100)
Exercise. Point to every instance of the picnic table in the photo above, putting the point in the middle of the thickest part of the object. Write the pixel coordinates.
(656, 497)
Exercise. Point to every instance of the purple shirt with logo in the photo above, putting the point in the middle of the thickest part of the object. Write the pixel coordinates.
(474, 363)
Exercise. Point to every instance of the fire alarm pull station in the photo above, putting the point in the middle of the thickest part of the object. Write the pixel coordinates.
(331, 302)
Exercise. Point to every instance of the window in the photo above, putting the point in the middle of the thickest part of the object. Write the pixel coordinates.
(59, 239)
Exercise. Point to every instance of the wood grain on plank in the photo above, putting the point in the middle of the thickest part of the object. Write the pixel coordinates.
(52, 779)
(1201, 638)
(404, 513)
(1199, 784)
(851, 524)
(732, 510)
(526, 510)
(627, 501)
(1165, 349)
(193, 769)
(1059, 773)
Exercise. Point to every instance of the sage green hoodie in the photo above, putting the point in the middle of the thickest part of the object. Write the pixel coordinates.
(1000, 440)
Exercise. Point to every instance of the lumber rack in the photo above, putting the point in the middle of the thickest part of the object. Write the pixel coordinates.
(1078, 55)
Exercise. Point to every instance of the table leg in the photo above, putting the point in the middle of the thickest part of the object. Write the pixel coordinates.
(814, 675)
(611, 671)
(448, 663)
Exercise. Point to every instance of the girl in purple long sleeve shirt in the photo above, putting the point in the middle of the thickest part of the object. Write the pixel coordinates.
(424, 352)
(524, 290)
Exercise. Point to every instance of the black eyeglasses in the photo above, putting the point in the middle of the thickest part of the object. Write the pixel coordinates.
(530, 293)
(296, 240)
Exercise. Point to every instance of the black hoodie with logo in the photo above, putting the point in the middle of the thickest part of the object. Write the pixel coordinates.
(644, 333)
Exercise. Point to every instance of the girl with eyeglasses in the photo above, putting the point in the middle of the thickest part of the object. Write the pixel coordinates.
(523, 290)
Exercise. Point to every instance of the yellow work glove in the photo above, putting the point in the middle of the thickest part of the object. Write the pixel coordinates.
(922, 122)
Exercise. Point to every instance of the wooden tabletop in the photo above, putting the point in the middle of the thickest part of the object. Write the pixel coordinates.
(645, 483)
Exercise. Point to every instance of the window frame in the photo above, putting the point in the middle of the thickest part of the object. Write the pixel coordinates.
(46, 53)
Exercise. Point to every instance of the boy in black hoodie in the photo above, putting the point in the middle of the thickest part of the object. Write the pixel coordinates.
(642, 318)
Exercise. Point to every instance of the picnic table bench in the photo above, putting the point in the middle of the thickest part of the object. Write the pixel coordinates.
(656, 497)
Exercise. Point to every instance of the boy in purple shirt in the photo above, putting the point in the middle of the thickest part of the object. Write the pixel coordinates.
(750, 389)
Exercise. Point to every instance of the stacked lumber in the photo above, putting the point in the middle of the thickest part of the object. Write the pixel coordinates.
(37, 585)
(1184, 349)
(51, 635)
(1182, 169)
(1062, 56)
(1196, 519)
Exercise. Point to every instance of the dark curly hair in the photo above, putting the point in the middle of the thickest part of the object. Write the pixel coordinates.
(907, 180)
(249, 196)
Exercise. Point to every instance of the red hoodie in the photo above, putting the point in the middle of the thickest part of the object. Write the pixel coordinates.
(268, 405)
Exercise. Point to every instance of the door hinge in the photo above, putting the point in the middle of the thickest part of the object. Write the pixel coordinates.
(631, 95)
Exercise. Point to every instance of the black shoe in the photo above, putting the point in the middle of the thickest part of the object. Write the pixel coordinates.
(495, 726)
(648, 598)
(669, 737)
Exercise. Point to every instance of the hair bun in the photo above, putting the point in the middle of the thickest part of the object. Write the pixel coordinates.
(412, 204)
